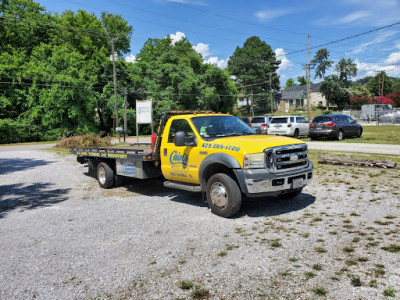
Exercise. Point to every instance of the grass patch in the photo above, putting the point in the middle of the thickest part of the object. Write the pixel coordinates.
(348, 249)
(389, 293)
(222, 253)
(310, 275)
(199, 293)
(355, 281)
(320, 291)
(185, 284)
(320, 250)
(392, 248)
(317, 267)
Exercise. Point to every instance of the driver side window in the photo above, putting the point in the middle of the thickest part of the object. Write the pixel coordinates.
(180, 125)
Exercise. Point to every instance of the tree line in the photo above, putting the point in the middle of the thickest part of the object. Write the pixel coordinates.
(339, 90)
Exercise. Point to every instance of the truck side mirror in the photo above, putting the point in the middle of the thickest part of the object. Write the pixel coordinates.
(182, 140)
(179, 139)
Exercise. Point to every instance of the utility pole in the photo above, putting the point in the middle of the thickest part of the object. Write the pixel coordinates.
(308, 82)
(270, 92)
(252, 105)
(125, 113)
(383, 81)
(115, 85)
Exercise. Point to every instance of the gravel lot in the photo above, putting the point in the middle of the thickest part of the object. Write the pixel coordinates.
(62, 237)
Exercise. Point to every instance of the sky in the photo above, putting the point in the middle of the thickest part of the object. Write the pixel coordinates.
(216, 27)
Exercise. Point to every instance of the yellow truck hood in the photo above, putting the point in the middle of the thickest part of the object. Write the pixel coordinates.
(256, 143)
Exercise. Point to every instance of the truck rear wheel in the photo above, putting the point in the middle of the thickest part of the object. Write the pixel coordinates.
(223, 195)
(105, 175)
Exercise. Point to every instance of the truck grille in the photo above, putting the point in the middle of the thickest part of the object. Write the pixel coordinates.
(286, 158)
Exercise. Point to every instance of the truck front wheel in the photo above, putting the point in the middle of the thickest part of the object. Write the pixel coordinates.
(223, 195)
(105, 175)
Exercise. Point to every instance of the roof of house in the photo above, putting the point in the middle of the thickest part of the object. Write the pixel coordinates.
(298, 92)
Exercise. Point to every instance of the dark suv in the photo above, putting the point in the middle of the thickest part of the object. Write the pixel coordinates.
(336, 126)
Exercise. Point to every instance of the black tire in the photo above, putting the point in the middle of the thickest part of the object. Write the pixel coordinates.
(105, 175)
(296, 134)
(223, 195)
(314, 138)
(340, 135)
(92, 164)
(291, 195)
(359, 132)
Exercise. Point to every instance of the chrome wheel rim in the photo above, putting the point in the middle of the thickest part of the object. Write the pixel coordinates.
(102, 175)
(340, 135)
(219, 196)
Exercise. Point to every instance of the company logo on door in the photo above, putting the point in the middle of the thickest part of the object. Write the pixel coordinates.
(176, 158)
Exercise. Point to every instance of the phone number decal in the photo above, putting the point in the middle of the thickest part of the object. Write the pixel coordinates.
(220, 147)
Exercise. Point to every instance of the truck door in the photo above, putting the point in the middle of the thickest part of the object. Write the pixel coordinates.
(180, 163)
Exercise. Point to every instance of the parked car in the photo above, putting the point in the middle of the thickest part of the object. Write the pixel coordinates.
(260, 124)
(246, 120)
(289, 125)
(336, 126)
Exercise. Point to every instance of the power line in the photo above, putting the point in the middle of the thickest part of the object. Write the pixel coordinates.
(187, 21)
(241, 21)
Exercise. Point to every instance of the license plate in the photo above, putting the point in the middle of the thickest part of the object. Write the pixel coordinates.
(296, 183)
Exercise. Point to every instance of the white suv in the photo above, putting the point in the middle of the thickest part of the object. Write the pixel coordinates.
(289, 125)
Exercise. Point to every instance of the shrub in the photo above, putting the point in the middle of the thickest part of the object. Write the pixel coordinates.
(86, 140)
(17, 131)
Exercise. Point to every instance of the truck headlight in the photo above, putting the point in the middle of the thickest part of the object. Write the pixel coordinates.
(254, 161)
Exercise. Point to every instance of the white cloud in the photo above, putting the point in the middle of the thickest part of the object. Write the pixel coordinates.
(220, 63)
(268, 15)
(369, 69)
(176, 37)
(285, 64)
(393, 59)
(365, 12)
(356, 16)
(379, 39)
(203, 49)
(130, 58)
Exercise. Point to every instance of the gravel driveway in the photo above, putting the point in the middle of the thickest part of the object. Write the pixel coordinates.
(62, 237)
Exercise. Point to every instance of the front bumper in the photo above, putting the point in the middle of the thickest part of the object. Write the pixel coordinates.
(260, 182)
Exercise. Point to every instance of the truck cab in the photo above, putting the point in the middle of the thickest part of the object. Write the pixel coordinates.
(221, 156)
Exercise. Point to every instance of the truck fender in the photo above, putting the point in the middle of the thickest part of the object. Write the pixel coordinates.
(216, 158)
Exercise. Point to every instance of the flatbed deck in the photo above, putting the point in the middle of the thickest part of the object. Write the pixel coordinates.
(125, 152)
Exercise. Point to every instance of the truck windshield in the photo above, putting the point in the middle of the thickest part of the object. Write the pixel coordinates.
(220, 126)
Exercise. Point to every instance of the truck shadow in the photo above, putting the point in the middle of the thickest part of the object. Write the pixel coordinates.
(274, 206)
(20, 164)
(24, 197)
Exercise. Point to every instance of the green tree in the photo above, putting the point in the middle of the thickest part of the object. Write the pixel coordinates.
(321, 59)
(302, 80)
(346, 69)
(254, 66)
(374, 85)
(176, 78)
(290, 83)
(334, 90)
(358, 91)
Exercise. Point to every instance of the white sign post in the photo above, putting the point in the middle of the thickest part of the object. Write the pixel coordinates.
(144, 114)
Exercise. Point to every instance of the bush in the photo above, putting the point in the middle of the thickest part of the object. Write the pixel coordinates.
(86, 140)
(17, 131)
(327, 112)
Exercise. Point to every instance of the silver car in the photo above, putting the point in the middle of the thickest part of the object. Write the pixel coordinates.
(294, 126)
(260, 124)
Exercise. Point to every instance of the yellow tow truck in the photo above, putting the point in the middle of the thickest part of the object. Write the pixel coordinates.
(213, 153)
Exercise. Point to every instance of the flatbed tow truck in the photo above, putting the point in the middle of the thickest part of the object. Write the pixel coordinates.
(213, 153)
